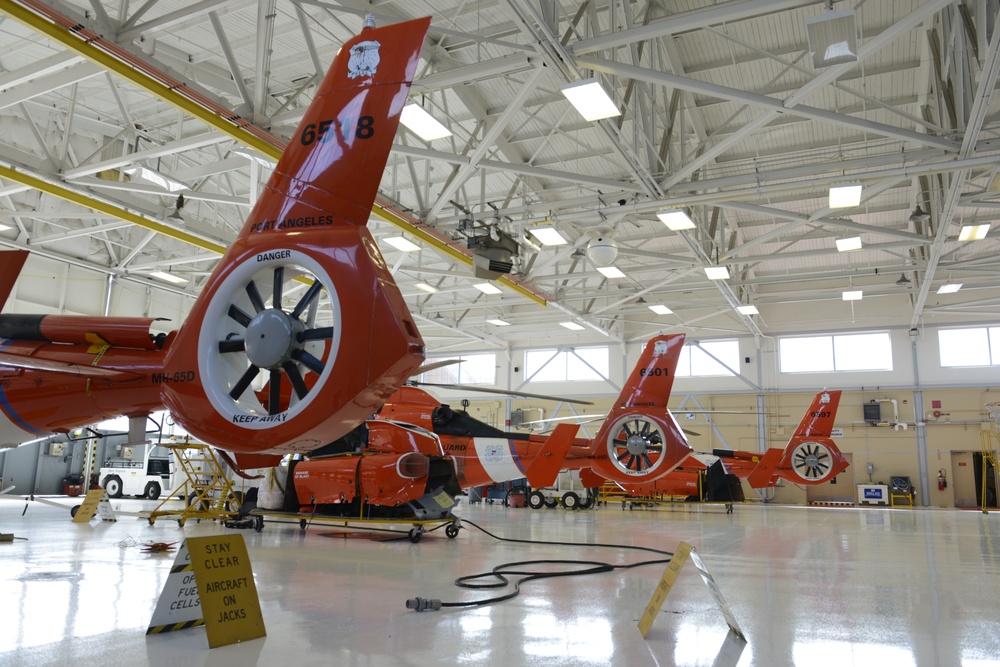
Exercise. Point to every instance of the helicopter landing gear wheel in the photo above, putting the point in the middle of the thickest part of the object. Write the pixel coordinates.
(536, 500)
(570, 500)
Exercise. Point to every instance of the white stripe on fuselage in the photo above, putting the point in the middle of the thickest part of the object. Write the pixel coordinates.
(497, 459)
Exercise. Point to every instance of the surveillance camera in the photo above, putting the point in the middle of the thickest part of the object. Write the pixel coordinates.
(603, 250)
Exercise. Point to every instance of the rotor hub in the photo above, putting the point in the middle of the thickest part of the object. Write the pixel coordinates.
(271, 338)
(636, 444)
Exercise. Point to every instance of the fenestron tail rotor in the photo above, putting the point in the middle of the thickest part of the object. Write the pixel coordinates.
(812, 461)
(635, 444)
(274, 340)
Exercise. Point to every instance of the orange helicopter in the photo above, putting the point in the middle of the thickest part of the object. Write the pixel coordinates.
(811, 457)
(417, 454)
(301, 303)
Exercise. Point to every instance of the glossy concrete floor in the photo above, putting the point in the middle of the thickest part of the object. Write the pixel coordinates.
(817, 586)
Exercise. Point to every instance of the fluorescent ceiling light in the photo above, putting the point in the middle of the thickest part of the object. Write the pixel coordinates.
(833, 38)
(487, 288)
(845, 195)
(4, 228)
(422, 123)
(717, 272)
(676, 219)
(400, 243)
(430, 289)
(748, 310)
(169, 277)
(950, 288)
(590, 99)
(852, 295)
(153, 177)
(850, 243)
(572, 326)
(660, 310)
(974, 232)
(611, 271)
(548, 235)
(499, 323)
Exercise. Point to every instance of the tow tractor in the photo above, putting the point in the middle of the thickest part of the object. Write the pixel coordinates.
(569, 491)
(146, 478)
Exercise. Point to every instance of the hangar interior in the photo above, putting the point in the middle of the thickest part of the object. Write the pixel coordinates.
(135, 138)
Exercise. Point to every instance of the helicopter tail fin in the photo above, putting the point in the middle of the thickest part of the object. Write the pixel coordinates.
(10, 269)
(640, 440)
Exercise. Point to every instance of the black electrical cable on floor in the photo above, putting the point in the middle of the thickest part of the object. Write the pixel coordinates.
(500, 573)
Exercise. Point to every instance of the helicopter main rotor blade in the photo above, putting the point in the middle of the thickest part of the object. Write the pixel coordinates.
(434, 364)
(462, 387)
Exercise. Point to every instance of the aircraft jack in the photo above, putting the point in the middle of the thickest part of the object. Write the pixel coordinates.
(206, 489)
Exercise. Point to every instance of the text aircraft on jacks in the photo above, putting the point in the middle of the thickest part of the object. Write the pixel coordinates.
(447, 450)
(302, 299)
(809, 458)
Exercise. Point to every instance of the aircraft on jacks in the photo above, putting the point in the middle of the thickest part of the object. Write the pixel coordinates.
(302, 301)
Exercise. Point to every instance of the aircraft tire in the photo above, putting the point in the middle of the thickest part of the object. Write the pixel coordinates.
(571, 500)
(73, 510)
(536, 500)
(113, 485)
(552, 504)
(152, 491)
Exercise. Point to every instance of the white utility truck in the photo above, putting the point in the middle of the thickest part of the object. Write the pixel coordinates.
(147, 477)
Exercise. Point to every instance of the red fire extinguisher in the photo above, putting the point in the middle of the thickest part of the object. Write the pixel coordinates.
(942, 480)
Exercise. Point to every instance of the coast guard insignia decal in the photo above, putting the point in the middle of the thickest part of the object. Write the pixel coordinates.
(364, 59)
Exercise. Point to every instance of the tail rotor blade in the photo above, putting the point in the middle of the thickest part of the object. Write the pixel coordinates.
(320, 333)
(308, 360)
(279, 281)
(295, 377)
(237, 314)
(274, 393)
(307, 298)
(232, 345)
(255, 298)
(244, 382)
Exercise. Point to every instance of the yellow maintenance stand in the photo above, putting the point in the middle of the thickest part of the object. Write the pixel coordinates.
(990, 439)
(206, 488)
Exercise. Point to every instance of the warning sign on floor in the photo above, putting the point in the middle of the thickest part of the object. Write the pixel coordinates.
(211, 584)
(179, 606)
(228, 593)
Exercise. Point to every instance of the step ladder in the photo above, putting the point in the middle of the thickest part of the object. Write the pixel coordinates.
(207, 490)
(990, 441)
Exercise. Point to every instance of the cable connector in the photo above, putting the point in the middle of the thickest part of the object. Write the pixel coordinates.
(420, 604)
